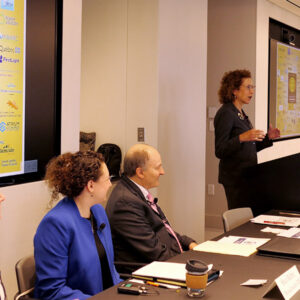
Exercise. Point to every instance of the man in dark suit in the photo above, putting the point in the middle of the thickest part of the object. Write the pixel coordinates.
(140, 230)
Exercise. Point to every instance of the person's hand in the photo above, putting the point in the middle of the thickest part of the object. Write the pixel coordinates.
(2, 198)
(273, 133)
(252, 135)
(192, 245)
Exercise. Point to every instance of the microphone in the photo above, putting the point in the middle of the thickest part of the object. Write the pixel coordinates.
(102, 226)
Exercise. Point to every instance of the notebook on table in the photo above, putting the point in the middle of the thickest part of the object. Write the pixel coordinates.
(281, 247)
(168, 272)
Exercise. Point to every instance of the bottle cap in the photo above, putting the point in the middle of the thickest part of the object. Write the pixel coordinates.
(196, 266)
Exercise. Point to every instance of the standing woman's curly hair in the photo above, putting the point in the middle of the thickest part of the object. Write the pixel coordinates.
(69, 173)
(231, 81)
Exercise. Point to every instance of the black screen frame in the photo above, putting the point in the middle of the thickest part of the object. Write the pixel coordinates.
(47, 118)
(276, 29)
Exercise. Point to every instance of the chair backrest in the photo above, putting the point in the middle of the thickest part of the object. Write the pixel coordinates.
(25, 272)
(234, 217)
(113, 157)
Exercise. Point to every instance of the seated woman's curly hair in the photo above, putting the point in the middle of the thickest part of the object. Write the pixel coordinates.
(69, 173)
(231, 81)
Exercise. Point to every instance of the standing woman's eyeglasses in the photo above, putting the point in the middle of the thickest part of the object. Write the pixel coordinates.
(249, 87)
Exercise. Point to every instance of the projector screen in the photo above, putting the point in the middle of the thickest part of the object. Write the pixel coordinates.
(284, 89)
(12, 90)
(30, 87)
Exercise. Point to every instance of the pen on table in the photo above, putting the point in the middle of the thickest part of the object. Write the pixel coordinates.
(274, 222)
(156, 284)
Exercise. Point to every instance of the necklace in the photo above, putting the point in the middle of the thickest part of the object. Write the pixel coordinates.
(241, 116)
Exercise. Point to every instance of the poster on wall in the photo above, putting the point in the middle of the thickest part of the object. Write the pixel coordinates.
(285, 88)
(12, 86)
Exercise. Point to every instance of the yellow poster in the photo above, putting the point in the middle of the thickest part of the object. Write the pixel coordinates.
(288, 90)
(12, 86)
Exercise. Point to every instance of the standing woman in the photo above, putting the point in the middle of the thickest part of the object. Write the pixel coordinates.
(236, 141)
(73, 247)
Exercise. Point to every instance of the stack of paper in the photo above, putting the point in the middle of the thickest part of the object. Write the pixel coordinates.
(166, 272)
(291, 233)
(224, 248)
(276, 220)
(242, 240)
(157, 269)
(232, 245)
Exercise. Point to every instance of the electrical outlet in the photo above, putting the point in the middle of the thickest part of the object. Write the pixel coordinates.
(211, 189)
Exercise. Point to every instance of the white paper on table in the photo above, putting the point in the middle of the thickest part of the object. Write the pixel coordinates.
(165, 270)
(273, 230)
(136, 280)
(226, 248)
(291, 233)
(242, 240)
(254, 282)
(276, 220)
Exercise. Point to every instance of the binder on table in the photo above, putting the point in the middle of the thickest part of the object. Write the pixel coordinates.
(167, 272)
(281, 247)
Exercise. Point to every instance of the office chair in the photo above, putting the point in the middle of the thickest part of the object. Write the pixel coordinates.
(25, 272)
(234, 217)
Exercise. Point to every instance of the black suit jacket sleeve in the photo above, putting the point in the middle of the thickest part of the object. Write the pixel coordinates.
(184, 240)
(130, 222)
(227, 134)
(265, 143)
(234, 156)
(228, 127)
(138, 232)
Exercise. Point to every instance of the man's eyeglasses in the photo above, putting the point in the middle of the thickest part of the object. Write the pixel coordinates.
(249, 87)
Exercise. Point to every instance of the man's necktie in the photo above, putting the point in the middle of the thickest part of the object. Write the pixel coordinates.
(168, 227)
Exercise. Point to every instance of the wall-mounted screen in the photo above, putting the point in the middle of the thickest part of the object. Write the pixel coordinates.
(30, 87)
(284, 88)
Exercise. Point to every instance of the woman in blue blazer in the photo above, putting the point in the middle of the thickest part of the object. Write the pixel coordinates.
(73, 246)
(236, 141)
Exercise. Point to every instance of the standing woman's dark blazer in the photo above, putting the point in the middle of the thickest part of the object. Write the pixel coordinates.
(234, 156)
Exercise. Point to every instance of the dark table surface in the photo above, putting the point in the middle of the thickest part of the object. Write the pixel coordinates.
(237, 269)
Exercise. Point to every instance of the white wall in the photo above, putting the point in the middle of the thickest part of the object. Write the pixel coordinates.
(25, 204)
(238, 36)
(231, 45)
(128, 62)
(119, 87)
(182, 110)
(266, 10)
(104, 61)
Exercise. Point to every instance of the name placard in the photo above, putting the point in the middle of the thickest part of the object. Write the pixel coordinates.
(288, 284)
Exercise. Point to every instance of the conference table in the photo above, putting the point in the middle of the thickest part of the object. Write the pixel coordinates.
(237, 269)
